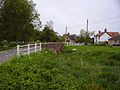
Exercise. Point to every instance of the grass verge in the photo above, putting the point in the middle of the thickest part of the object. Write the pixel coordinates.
(87, 68)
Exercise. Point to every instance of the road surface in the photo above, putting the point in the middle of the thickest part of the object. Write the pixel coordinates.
(5, 55)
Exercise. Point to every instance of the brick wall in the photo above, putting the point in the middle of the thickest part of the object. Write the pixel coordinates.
(57, 47)
(111, 42)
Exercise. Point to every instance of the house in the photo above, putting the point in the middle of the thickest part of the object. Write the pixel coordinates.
(70, 38)
(114, 40)
(104, 36)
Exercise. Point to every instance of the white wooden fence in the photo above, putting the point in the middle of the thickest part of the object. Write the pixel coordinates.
(27, 49)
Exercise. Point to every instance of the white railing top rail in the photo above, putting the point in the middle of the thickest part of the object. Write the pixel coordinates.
(23, 46)
(29, 48)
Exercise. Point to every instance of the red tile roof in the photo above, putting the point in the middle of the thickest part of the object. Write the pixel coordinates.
(100, 34)
(109, 33)
(112, 34)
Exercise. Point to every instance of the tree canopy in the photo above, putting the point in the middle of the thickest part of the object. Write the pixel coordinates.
(48, 34)
(17, 20)
(85, 36)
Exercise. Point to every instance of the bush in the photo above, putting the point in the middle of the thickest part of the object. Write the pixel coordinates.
(4, 45)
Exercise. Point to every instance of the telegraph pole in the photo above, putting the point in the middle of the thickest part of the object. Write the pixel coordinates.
(87, 28)
(66, 30)
(87, 25)
(66, 34)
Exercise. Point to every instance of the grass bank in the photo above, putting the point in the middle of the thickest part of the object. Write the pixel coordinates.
(87, 68)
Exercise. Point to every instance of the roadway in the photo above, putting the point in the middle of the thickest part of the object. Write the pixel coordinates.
(7, 54)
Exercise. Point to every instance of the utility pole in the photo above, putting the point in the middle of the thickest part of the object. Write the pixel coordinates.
(66, 34)
(66, 30)
(87, 25)
(87, 30)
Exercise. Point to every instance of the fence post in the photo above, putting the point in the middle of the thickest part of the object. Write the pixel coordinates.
(40, 47)
(35, 47)
(28, 49)
(18, 50)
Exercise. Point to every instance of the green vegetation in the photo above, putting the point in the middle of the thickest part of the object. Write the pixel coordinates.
(20, 22)
(48, 34)
(87, 68)
(16, 20)
(85, 36)
(4, 45)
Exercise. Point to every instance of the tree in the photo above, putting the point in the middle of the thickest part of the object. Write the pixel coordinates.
(85, 36)
(17, 18)
(48, 34)
(50, 24)
(1, 31)
(62, 38)
(36, 36)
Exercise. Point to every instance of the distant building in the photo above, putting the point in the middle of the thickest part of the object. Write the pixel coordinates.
(114, 40)
(71, 38)
(104, 36)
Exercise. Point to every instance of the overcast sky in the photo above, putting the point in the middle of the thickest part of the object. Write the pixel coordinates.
(74, 13)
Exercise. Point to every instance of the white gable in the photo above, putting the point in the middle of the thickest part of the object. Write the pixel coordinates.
(104, 37)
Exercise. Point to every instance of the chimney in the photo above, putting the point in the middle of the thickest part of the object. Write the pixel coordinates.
(105, 30)
(68, 34)
(99, 32)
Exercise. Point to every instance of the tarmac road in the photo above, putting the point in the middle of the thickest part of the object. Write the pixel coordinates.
(5, 55)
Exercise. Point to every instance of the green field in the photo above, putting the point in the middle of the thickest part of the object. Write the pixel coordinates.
(87, 68)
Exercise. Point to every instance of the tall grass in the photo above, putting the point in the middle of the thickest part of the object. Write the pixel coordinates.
(87, 68)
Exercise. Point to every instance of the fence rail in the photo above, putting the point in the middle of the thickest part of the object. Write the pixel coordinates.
(27, 49)
(55, 46)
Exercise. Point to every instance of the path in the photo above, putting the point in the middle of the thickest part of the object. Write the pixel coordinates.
(4, 55)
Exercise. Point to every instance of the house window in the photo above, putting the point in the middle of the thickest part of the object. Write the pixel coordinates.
(115, 41)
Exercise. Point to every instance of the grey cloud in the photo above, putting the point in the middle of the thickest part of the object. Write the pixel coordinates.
(74, 13)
